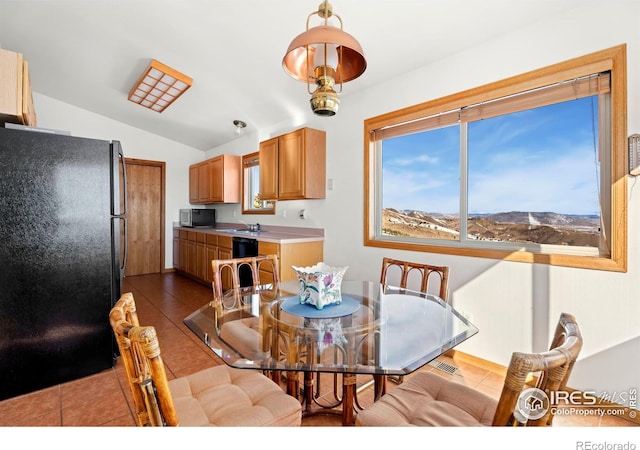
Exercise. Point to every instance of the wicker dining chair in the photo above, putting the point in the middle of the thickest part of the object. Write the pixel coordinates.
(219, 395)
(225, 268)
(426, 273)
(428, 399)
(244, 333)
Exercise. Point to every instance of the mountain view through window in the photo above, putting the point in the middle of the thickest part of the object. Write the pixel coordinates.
(530, 177)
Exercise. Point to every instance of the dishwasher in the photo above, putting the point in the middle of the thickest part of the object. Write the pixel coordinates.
(245, 247)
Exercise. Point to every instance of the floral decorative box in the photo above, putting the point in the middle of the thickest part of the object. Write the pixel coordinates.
(320, 284)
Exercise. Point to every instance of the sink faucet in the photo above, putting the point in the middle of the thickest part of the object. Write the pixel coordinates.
(251, 227)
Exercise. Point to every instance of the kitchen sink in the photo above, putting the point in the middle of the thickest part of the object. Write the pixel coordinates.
(240, 231)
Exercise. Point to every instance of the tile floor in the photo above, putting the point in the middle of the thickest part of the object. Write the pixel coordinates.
(103, 400)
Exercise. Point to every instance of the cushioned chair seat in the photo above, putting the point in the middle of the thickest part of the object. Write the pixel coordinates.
(427, 399)
(224, 396)
(244, 335)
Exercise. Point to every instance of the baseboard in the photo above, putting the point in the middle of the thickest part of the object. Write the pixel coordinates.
(629, 414)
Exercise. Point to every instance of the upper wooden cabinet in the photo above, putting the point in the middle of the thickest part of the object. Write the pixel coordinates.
(193, 184)
(216, 180)
(293, 166)
(16, 100)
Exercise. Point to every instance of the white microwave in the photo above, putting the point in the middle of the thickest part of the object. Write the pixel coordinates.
(198, 218)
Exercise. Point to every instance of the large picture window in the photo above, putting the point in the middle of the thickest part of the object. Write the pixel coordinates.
(532, 168)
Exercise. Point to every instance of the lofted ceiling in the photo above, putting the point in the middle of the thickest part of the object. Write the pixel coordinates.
(89, 53)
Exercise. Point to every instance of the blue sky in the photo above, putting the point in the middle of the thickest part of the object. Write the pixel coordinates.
(537, 160)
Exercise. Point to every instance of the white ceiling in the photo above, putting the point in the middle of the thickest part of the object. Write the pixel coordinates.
(89, 53)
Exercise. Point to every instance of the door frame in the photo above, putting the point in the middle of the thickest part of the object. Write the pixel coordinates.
(162, 165)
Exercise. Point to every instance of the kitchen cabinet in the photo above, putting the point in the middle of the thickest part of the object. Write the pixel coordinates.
(16, 100)
(216, 180)
(194, 250)
(299, 254)
(293, 166)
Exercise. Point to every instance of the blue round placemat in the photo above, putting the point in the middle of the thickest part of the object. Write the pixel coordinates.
(293, 306)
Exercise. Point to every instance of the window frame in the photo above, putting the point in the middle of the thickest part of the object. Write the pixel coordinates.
(252, 160)
(613, 60)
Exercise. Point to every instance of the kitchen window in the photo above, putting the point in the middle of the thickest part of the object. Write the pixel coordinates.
(532, 169)
(251, 201)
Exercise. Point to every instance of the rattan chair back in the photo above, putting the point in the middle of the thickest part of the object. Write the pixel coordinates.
(140, 354)
(426, 272)
(222, 267)
(551, 369)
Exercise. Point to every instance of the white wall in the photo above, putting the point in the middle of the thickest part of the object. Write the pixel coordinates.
(515, 305)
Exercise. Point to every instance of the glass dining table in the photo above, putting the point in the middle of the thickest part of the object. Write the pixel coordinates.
(376, 329)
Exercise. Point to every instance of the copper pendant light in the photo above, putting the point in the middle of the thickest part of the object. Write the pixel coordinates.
(324, 56)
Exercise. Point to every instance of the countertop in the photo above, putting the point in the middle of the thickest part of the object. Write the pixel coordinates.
(267, 233)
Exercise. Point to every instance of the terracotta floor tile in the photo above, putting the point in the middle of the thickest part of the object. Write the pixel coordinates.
(25, 407)
(96, 411)
(84, 389)
(51, 419)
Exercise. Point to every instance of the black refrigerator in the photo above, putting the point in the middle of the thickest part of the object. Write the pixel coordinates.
(63, 215)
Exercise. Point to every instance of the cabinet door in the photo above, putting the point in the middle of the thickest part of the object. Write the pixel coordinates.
(182, 255)
(176, 253)
(193, 184)
(191, 258)
(227, 282)
(269, 169)
(201, 256)
(11, 86)
(211, 254)
(225, 251)
(291, 165)
(204, 182)
(216, 179)
(268, 248)
(28, 110)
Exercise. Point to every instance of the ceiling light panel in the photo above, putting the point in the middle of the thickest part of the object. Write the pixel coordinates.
(159, 86)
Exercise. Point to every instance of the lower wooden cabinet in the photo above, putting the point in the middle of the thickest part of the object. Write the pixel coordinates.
(194, 250)
(300, 254)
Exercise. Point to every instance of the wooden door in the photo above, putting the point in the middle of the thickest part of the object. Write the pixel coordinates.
(145, 217)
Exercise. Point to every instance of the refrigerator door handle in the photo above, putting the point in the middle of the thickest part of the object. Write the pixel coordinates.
(124, 250)
(124, 184)
(118, 198)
